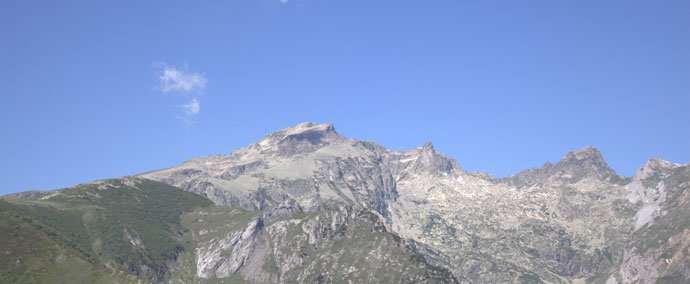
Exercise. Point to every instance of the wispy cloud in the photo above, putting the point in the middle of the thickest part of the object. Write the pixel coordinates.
(192, 107)
(172, 79)
(284, 1)
(182, 82)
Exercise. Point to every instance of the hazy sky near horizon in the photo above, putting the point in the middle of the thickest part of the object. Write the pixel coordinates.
(98, 89)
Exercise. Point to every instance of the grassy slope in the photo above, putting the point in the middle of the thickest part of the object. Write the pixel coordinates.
(30, 255)
(89, 221)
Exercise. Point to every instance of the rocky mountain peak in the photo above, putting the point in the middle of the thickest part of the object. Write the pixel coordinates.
(428, 147)
(433, 162)
(304, 137)
(586, 162)
(310, 131)
(309, 127)
(652, 166)
(574, 166)
(587, 153)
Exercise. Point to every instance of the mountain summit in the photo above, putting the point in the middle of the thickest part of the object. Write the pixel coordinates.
(307, 205)
(586, 162)
(298, 139)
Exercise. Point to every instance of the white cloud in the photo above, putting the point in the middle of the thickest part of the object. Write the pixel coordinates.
(191, 108)
(176, 80)
(183, 83)
(284, 1)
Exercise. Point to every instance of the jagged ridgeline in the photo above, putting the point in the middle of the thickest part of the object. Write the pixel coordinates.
(307, 205)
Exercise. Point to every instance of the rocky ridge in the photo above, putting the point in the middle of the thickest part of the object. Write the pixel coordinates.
(569, 222)
(306, 205)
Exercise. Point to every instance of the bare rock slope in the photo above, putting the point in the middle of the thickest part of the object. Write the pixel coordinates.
(573, 222)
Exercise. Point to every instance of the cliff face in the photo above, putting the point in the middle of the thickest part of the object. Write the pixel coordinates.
(333, 245)
(307, 205)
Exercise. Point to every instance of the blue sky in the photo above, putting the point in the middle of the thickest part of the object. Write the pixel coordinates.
(97, 89)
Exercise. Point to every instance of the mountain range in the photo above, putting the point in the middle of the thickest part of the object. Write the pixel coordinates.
(307, 205)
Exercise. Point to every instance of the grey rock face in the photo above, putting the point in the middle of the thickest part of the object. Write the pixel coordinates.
(659, 249)
(574, 221)
(331, 246)
(575, 166)
(309, 163)
(229, 254)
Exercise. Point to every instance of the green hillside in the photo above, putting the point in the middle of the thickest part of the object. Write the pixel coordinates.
(130, 225)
